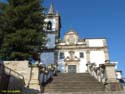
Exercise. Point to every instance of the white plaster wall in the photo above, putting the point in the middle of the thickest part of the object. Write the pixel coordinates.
(53, 21)
(96, 43)
(82, 64)
(80, 43)
(61, 43)
(118, 75)
(116, 66)
(97, 57)
(61, 64)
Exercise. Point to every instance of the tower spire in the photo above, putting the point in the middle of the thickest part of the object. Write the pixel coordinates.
(51, 10)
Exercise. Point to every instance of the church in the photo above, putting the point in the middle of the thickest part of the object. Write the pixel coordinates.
(71, 53)
(74, 52)
(71, 65)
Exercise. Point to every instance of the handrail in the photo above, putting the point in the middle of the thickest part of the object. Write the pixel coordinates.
(12, 71)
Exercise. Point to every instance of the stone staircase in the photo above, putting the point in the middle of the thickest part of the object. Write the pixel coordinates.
(73, 82)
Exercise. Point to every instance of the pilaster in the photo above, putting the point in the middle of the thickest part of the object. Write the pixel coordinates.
(106, 54)
(105, 43)
(88, 56)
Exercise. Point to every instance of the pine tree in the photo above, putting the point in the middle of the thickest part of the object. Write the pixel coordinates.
(21, 29)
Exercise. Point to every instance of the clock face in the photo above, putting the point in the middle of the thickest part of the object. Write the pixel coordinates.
(50, 24)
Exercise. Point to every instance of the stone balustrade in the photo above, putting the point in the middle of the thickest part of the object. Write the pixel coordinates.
(105, 74)
(47, 72)
(97, 72)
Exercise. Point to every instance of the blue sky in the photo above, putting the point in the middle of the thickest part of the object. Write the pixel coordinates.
(95, 19)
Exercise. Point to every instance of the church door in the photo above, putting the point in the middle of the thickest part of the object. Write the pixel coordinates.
(71, 68)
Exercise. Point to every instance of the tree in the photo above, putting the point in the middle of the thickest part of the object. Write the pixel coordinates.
(21, 29)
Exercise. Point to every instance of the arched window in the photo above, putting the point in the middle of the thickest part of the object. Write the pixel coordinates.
(49, 25)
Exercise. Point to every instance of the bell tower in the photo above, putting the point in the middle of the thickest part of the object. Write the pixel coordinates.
(51, 28)
(53, 22)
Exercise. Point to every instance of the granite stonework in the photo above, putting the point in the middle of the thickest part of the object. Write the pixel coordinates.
(97, 92)
(113, 83)
(30, 74)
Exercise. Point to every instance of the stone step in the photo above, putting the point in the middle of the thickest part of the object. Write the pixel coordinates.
(73, 82)
(74, 75)
(72, 90)
(77, 88)
(74, 79)
(74, 85)
(89, 92)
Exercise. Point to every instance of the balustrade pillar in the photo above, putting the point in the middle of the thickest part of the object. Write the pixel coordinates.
(112, 81)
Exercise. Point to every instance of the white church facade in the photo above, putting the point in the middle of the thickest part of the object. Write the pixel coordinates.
(71, 53)
(74, 52)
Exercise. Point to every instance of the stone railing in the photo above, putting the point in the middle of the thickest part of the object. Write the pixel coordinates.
(13, 73)
(10, 78)
(106, 74)
(47, 72)
(97, 72)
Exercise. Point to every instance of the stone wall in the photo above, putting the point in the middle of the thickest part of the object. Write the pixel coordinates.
(30, 74)
(21, 67)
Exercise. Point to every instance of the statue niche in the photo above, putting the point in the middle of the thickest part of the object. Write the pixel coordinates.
(49, 25)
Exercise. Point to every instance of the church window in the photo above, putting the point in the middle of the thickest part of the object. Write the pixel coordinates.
(49, 26)
(81, 55)
(61, 55)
